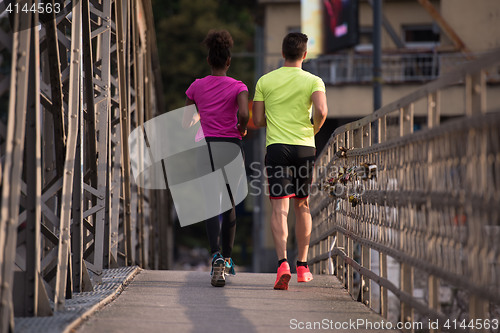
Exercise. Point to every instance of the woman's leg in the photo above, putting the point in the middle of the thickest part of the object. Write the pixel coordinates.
(228, 230)
(213, 232)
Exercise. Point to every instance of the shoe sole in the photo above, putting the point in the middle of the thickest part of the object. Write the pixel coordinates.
(218, 279)
(304, 279)
(282, 283)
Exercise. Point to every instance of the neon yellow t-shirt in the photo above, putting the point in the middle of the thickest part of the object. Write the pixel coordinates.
(286, 93)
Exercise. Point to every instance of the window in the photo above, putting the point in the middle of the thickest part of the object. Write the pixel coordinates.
(421, 35)
(365, 35)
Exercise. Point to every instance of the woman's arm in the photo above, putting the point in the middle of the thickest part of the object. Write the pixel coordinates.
(243, 112)
(191, 115)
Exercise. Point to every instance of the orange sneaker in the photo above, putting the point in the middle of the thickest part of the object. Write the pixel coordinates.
(283, 276)
(303, 274)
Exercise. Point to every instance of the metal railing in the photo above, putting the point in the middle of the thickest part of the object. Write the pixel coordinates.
(433, 205)
(78, 83)
(396, 68)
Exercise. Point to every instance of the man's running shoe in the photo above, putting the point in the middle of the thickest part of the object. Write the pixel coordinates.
(218, 266)
(283, 276)
(229, 266)
(303, 274)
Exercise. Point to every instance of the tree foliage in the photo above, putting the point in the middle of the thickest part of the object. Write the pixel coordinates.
(181, 26)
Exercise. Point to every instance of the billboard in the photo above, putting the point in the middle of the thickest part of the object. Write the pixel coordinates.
(331, 25)
(311, 20)
(341, 24)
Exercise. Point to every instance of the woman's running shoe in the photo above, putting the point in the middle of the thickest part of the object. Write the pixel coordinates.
(303, 274)
(283, 276)
(229, 266)
(218, 267)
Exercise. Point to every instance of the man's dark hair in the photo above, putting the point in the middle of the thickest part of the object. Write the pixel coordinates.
(294, 45)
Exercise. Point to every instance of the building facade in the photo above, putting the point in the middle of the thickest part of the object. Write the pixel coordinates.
(421, 40)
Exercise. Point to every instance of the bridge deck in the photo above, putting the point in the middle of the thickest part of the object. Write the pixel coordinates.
(183, 301)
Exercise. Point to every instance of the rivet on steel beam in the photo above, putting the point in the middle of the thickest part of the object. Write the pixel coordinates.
(408, 319)
(407, 117)
(365, 289)
(367, 302)
(68, 172)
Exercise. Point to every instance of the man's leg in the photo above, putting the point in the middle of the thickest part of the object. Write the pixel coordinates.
(303, 226)
(279, 225)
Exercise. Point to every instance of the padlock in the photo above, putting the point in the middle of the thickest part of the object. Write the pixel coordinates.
(354, 199)
(341, 152)
(367, 171)
(372, 171)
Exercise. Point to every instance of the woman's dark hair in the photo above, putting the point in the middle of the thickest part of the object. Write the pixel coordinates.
(294, 45)
(218, 42)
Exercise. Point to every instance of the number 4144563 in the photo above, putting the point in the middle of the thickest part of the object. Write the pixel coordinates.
(40, 8)
(476, 324)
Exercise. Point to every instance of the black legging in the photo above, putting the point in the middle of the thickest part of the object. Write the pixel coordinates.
(222, 233)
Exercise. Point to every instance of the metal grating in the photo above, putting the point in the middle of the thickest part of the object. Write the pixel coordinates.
(81, 305)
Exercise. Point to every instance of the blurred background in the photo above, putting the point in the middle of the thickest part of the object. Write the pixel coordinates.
(416, 41)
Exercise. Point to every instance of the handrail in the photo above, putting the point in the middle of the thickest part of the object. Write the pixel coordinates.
(446, 80)
(431, 205)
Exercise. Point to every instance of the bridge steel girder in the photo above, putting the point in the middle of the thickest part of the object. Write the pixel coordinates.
(77, 89)
(13, 165)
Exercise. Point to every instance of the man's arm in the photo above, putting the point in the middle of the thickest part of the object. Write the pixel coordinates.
(259, 113)
(190, 117)
(243, 112)
(320, 110)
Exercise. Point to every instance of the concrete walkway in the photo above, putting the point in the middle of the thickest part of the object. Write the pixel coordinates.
(177, 301)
